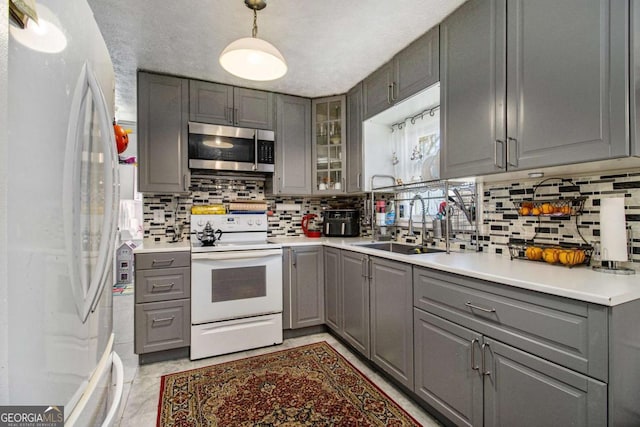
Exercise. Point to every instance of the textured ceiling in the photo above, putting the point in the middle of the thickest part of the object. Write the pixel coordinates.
(329, 45)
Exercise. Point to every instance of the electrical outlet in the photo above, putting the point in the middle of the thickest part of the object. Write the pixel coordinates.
(158, 216)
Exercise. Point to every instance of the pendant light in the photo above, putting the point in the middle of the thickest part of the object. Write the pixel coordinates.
(252, 58)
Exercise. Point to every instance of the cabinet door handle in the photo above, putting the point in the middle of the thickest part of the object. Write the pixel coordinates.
(162, 285)
(473, 355)
(235, 116)
(358, 180)
(163, 261)
(164, 319)
(512, 152)
(280, 184)
(484, 366)
(363, 271)
(393, 91)
(498, 157)
(389, 94)
(230, 118)
(185, 182)
(486, 310)
(294, 260)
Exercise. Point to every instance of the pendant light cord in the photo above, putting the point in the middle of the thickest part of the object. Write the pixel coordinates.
(254, 32)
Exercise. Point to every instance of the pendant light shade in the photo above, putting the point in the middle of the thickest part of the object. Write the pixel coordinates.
(252, 58)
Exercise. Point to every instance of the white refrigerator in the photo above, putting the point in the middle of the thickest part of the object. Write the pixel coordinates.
(61, 216)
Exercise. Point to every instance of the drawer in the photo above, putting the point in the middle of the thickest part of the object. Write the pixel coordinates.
(569, 332)
(162, 260)
(162, 284)
(162, 325)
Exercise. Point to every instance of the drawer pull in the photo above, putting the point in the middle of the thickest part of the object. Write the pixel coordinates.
(486, 310)
(164, 319)
(473, 355)
(163, 285)
(163, 261)
(484, 369)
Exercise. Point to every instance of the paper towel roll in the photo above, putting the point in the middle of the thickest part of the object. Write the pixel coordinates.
(613, 230)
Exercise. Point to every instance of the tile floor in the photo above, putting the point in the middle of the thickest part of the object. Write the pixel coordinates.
(142, 383)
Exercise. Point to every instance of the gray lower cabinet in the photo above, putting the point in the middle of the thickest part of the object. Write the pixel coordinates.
(354, 140)
(525, 390)
(347, 296)
(521, 90)
(163, 305)
(163, 111)
(221, 104)
(332, 289)
(391, 302)
(354, 284)
(447, 374)
(487, 354)
(293, 146)
(305, 300)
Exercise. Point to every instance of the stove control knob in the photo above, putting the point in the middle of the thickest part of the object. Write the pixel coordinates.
(201, 223)
(258, 221)
(249, 222)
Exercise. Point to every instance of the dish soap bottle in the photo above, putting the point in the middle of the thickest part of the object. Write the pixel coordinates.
(390, 217)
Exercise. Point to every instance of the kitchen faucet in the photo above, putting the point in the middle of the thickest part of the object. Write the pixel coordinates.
(424, 222)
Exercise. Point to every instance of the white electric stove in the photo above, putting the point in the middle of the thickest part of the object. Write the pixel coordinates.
(236, 286)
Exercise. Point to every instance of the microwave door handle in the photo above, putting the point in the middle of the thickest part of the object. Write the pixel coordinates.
(255, 147)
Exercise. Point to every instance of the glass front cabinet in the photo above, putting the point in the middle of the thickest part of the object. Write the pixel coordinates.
(329, 135)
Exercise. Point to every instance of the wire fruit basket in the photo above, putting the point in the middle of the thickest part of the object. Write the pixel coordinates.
(565, 207)
(565, 254)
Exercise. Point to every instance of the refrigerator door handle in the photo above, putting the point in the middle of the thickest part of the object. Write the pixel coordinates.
(109, 420)
(110, 225)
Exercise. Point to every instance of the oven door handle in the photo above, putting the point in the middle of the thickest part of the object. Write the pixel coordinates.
(231, 255)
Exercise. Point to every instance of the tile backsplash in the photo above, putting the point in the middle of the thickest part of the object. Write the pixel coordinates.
(500, 222)
(205, 190)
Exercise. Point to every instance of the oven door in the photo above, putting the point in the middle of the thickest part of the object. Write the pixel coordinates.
(234, 284)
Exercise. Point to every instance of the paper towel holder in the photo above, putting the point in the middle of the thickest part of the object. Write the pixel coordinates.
(613, 267)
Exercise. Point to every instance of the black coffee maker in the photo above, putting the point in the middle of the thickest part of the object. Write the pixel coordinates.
(341, 223)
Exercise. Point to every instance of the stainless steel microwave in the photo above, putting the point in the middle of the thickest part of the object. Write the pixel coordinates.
(226, 148)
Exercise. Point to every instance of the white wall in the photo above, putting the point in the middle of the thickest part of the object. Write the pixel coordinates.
(4, 79)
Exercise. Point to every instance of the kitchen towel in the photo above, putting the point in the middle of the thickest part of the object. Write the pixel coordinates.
(613, 230)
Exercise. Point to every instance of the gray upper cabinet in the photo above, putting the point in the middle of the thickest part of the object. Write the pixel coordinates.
(210, 103)
(417, 66)
(355, 300)
(377, 90)
(220, 104)
(566, 83)
(307, 286)
(391, 317)
(253, 108)
(562, 100)
(293, 146)
(163, 111)
(634, 81)
(354, 140)
(472, 88)
(413, 69)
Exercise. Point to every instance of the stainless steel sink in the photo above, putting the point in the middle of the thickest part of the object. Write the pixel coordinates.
(402, 248)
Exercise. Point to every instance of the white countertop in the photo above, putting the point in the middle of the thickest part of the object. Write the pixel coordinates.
(310, 241)
(149, 246)
(580, 283)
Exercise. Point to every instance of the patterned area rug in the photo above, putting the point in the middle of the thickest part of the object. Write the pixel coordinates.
(311, 385)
